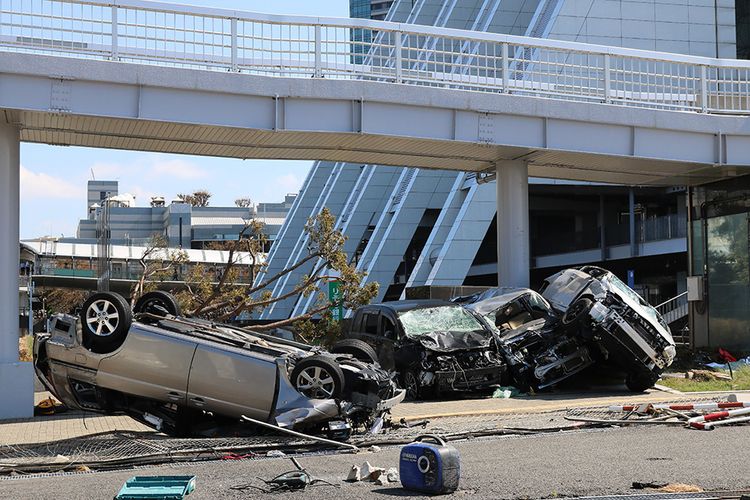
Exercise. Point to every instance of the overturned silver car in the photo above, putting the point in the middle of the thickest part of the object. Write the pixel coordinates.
(173, 372)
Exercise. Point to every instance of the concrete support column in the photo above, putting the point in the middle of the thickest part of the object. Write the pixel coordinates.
(513, 224)
(631, 218)
(602, 228)
(16, 378)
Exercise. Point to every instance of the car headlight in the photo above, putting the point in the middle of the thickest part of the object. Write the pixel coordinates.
(669, 353)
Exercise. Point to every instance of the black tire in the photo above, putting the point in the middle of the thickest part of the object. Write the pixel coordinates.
(414, 391)
(105, 321)
(577, 311)
(318, 377)
(357, 348)
(639, 382)
(158, 303)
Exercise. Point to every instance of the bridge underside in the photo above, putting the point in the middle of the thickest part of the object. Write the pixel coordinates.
(103, 104)
(66, 129)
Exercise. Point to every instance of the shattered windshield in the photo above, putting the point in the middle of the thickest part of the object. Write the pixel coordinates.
(539, 304)
(453, 319)
(628, 292)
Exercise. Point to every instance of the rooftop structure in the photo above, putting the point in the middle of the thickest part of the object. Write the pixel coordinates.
(182, 225)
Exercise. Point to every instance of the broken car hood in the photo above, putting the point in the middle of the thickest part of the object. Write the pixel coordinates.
(454, 341)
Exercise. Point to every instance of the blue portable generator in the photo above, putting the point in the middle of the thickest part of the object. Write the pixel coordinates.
(429, 467)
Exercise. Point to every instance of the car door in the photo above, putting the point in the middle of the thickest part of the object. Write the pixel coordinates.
(388, 345)
(151, 364)
(366, 328)
(232, 381)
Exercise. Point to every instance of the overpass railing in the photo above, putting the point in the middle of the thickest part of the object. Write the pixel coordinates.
(309, 47)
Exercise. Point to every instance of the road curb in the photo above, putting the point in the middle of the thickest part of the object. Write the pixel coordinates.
(548, 408)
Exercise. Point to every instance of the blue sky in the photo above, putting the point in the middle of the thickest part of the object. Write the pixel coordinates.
(53, 178)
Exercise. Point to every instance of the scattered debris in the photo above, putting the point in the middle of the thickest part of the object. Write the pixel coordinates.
(374, 449)
(406, 424)
(377, 426)
(298, 434)
(642, 486)
(240, 456)
(49, 406)
(355, 474)
(390, 476)
(706, 375)
(667, 487)
(681, 488)
(702, 415)
(506, 392)
(275, 453)
(368, 472)
(293, 480)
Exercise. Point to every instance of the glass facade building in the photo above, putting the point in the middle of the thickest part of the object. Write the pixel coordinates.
(720, 257)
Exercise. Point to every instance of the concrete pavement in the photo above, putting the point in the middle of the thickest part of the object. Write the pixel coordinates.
(540, 466)
(77, 424)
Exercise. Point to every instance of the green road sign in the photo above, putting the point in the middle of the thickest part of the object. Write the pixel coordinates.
(334, 295)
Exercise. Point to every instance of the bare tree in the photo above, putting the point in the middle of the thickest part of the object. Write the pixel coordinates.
(224, 298)
(158, 263)
(61, 300)
(243, 202)
(198, 198)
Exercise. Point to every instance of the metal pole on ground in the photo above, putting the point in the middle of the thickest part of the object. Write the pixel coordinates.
(512, 223)
(16, 378)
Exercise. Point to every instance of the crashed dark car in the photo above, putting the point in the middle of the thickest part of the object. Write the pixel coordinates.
(583, 316)
(434, 346)
(624, 329)
(172, 372)
(539, 347)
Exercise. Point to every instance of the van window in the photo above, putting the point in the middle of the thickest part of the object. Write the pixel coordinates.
(371, 323)
(389, 328)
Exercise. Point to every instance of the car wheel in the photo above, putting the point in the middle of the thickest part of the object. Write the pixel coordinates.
(105, 321)
(411, 384)
(577, 311)
(318, 377)
(357, 348)
(158, 303)
(639, 382)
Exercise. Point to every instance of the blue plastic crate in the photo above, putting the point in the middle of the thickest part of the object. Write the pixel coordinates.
(162, 487)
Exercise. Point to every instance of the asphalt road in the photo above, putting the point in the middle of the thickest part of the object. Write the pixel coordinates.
(562, 464)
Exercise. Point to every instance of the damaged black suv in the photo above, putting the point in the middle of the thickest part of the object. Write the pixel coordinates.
(435, 346)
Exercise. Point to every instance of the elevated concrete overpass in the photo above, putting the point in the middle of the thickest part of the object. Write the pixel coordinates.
(161, 77)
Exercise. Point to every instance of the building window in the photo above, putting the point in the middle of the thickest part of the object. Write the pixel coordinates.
(742, 21)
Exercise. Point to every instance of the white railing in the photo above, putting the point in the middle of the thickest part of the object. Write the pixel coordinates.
(674, 308)
(308, 47)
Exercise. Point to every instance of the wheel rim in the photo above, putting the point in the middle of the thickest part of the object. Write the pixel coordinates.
(575, 311)
(102, 318)
(155, 303)
(316, 382)
(412, 389)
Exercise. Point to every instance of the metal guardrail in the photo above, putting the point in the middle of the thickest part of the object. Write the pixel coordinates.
(303, 47)
(674, 308)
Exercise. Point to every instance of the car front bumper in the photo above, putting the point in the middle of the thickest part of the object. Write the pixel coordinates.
(468, 379)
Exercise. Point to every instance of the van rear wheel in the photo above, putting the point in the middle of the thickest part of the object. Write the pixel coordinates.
(105, 322)
(639, 382)
(357, 348)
